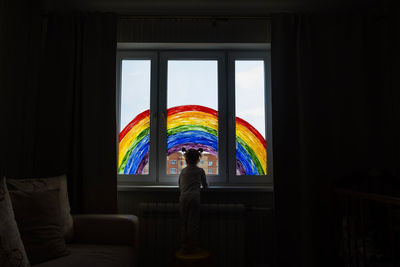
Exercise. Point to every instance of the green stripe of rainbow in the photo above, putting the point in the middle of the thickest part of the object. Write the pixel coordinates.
(191, 125)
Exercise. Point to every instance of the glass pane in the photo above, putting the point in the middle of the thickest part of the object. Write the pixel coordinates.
(192, 119)
(133, 149)
(251, 147)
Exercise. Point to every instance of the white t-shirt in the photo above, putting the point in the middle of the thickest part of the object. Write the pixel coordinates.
(190, 180)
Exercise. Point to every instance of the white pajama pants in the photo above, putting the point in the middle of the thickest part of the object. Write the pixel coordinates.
(190, 217)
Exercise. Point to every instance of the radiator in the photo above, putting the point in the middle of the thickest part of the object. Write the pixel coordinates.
(221, 233)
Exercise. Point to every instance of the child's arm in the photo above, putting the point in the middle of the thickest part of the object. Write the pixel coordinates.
(203, 179)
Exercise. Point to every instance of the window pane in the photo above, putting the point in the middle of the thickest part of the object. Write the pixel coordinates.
(192, 102)
(133, 150)
(251, 148)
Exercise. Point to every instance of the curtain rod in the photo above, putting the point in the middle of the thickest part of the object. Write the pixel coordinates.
(133, 17)
(126, 17)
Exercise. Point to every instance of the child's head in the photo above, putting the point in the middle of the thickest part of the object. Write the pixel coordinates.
(192, 156)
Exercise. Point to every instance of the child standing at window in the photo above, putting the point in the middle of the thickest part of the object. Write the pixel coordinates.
(190, 180)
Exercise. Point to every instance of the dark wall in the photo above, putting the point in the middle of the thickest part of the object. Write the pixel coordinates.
(20, 60)
(194, 30)
(208, 8)
(258, 217)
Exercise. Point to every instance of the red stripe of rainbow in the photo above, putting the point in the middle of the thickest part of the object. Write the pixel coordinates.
(196, 123)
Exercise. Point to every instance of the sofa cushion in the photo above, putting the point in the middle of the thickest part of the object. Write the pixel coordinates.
(44, 184)
(94, 255)
(12, 251)
(39, 222)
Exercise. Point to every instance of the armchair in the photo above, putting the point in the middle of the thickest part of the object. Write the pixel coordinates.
(101, 241)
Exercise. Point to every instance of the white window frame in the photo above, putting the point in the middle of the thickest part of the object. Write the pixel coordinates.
(249, 55)
(150, 178)
(226, 119)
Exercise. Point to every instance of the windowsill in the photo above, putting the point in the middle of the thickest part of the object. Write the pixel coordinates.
(214, 188)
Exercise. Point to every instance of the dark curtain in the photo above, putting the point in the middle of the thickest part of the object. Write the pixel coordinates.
(334, 113)
(20, 52)
(66, 123)
(79, 89)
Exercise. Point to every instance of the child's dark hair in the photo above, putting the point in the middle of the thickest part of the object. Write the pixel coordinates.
(192, 155)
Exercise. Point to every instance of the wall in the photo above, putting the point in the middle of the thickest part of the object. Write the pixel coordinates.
(258, 215)
(194, 30)
(211, 8)
(20, 58)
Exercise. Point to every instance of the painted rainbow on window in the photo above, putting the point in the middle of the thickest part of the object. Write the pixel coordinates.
(190, 126)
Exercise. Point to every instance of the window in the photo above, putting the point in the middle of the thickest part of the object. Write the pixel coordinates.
(192, 105)
(251, 148)
(174, 99)
(135, 121)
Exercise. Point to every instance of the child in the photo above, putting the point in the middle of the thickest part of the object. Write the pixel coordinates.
(189, 201)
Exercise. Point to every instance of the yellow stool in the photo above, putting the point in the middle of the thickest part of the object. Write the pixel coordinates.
(200, 258)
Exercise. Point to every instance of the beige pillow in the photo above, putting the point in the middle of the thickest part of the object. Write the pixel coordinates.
(39, 222)
(45, 184)
(12, 251)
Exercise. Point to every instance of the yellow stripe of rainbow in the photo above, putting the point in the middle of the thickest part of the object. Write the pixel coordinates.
(254, 143)
(192, 118)
(126, 142)
(195, 117)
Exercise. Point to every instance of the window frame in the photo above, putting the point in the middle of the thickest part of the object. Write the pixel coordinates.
(226, 115)
(169, 179)
(249, 55)
(151, 178)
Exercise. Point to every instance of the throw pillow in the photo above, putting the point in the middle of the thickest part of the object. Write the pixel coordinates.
(12, 251)
(44, 184)
(39, 222)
